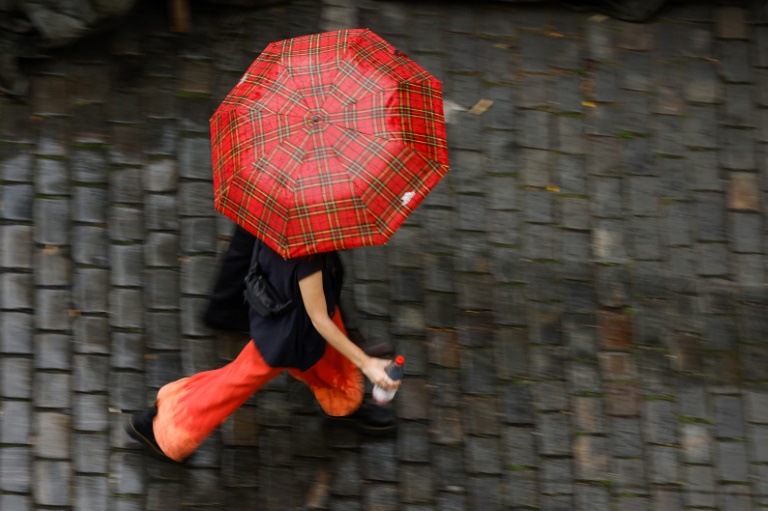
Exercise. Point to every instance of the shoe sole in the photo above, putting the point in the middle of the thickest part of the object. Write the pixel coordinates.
(151, 448)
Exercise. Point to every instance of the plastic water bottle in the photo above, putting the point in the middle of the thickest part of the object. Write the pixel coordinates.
(395, 372)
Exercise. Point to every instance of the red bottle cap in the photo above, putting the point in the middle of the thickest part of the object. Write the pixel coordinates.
(399, 360)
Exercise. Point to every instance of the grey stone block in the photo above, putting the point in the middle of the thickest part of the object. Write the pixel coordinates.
(637, 71)
(195, 158)
(536, 126)
(16, 164)
(555, 431)
(17, 331)
(52, 307)
(90, 373)
(53, 136)
(16, 378)
(90, 290)
(607, 200)
(160, 212)
(90, 413)
(738, 151)
(449, 466)
(91, 334)
(129, 476)
(160, 175)
(485, 493)
(463, 53)
(92, 492)
(191, 317)
(52, 390)
(592, 497)
(15, 502)
(53, 435)
(710, 216)
(591, 460)
(52, 483)
(556, 476)
(701, 481)
(15, 464)
(128, 348)
(570, 135)
(126, 390)
(126, 224)
(53, 267)
(90, 246)
(541, 242)
(127, 265)
(197, 275)
(471, 212)
(501, 151)
(626, 437)
(600, 40)
(571, 171)
(745, 232)
(17, 202)
(536, 91)
(162, 249)
(734, 57)
(535, 168)
(51, 177)
(347, 479)
(161, 139)
(162, 289)
(701, 84)
(89, 166)
(417, 484)
(471, 171)
(126, 308)
(52, 221)
(635, 115)
(163, 368)
(645, 238)
(701, 127)
(15, 422)
(758, 436)
(503, 191)
(738, 103)
(521, 486)
(660, 423)
(732, 462)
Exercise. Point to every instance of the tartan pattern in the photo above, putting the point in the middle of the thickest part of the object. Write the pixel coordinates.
(328, 142)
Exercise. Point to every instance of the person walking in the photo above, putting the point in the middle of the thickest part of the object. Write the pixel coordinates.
(328, 142)
(309, 341)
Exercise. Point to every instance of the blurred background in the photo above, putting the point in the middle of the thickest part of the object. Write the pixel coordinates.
(581, 301)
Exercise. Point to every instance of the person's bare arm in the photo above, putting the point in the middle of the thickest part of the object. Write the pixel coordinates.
(314, 301)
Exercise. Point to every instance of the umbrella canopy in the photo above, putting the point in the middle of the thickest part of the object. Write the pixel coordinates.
(328, 142)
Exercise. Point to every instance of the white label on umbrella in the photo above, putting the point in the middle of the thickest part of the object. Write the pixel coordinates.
(407, 196)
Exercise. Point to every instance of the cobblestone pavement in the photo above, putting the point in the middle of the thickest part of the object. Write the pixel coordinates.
(582, 301)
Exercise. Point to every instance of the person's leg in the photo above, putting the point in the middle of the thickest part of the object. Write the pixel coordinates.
(227, 310)
(188, 410)
(339, 388)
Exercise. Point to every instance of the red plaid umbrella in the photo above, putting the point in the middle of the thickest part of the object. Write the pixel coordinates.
(328, 142)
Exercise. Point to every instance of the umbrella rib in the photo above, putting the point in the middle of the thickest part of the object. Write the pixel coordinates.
(295, 83)
(338, 156)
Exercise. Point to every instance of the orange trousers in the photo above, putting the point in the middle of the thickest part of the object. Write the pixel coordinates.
(189, 409)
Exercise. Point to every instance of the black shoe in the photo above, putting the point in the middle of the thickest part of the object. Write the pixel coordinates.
(371, 419)
(139, 428)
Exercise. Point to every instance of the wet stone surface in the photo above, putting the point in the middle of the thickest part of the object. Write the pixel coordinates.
(581, 300)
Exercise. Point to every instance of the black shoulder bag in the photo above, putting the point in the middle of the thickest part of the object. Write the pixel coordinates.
(262, 297)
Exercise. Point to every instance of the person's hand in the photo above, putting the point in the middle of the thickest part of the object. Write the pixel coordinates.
(375, 370)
